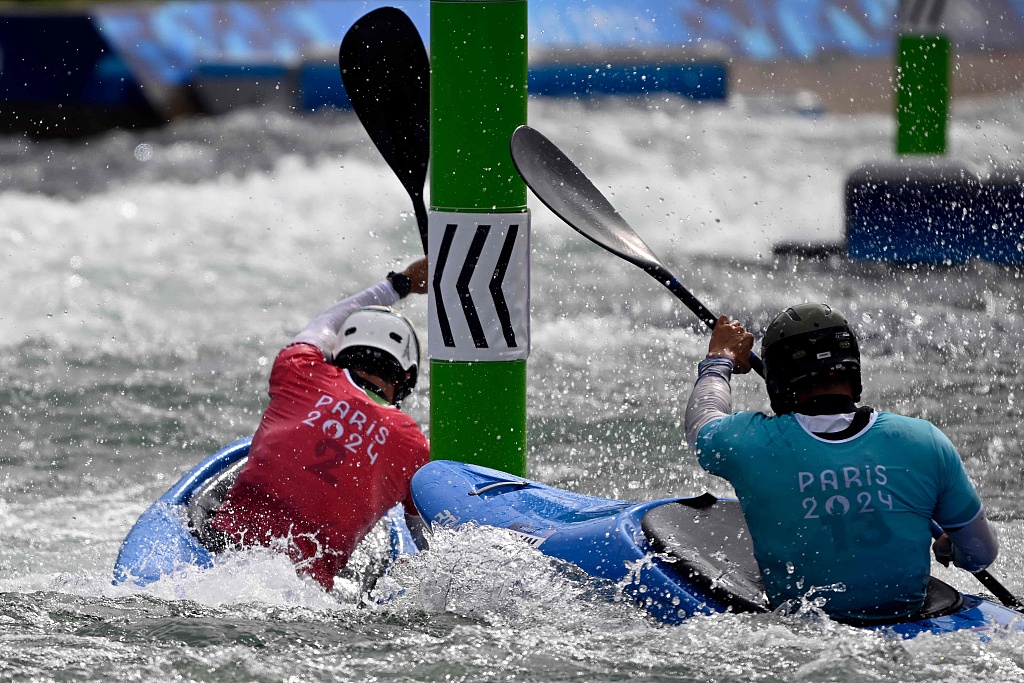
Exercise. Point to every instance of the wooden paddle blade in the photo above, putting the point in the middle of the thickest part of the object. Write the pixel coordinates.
(386, 73)
(563, 188)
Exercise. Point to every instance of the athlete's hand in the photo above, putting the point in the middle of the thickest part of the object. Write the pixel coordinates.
(943, 549)
(730, 340)
(417, 274)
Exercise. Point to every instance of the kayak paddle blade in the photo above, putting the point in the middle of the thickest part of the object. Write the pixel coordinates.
(570, 195)
(386, 73)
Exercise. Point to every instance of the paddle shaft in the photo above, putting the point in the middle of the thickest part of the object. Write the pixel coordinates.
(999, 590)
(986, 579)
(673, 285)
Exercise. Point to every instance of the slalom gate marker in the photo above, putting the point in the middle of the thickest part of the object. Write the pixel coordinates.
(923, 57)
(925, 207)
(478, 234)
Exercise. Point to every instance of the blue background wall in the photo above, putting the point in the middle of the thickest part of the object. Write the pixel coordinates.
(169, 38)
(120, 58)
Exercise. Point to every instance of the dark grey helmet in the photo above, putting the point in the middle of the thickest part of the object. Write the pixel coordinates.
(806, 345)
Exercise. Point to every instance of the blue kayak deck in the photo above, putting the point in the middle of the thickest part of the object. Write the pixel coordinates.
(606, 539)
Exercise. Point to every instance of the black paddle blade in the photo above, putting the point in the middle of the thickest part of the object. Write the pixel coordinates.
(386, 73)
(563, 188)
(572, 197)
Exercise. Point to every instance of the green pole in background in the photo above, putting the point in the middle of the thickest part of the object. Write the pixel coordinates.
(922, 79)
(478, 234)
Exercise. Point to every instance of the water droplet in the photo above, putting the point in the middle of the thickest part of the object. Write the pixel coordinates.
(144, 151)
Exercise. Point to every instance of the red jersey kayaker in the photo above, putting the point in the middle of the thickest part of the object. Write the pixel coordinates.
(333, 452)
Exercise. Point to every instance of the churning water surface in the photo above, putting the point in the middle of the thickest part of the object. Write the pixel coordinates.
(149, 278)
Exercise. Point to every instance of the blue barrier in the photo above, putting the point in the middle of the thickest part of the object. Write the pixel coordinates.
(164, 39)
(320, 87)
(58, 75)
(699, 80)
(935, 211)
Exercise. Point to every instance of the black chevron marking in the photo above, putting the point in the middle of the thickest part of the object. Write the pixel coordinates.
(442, 259)
(462, 286)
(497, 278)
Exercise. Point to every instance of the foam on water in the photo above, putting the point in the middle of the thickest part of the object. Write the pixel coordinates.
(173, 263)
(509, 592)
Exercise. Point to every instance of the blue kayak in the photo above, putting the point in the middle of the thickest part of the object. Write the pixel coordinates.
(173, 532)
(677, 557)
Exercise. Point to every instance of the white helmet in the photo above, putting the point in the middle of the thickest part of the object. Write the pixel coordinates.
(383, 342)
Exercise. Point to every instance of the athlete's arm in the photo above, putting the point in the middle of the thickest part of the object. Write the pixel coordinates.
(972, 547)
(711, 398)
(960, 512)
(323, 330)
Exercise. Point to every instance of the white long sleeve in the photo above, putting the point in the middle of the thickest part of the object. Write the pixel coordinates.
(324, 329)
(711, 398)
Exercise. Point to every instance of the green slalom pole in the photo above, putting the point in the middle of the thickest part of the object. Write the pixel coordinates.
(922, 93)
(478, 234)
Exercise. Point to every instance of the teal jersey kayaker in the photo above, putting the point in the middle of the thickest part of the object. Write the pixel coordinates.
(839, 499)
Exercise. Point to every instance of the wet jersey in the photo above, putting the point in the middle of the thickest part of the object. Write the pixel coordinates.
(326, 464)
(844, 520)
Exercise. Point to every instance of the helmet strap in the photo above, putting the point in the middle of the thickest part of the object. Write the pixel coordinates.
(367, 385)
(404, 387)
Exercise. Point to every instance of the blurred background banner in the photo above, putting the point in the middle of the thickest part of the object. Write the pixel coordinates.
(76, 69)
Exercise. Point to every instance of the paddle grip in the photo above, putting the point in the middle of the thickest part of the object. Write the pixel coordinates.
(694, 304)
